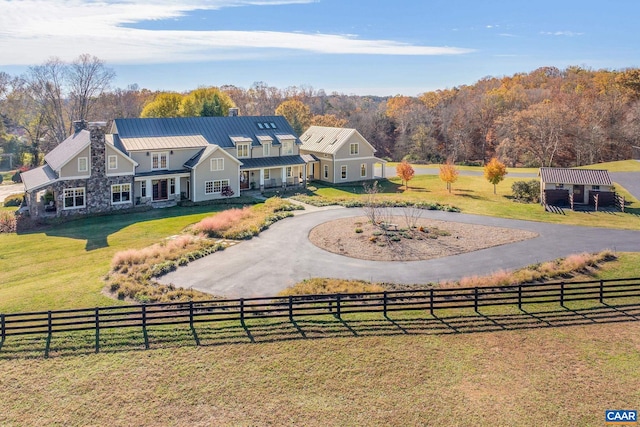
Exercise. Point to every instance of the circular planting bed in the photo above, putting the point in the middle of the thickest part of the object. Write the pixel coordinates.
(396, 241)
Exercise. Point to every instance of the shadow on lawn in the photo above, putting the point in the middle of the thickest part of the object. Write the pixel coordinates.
(256, 332)
(97, 229)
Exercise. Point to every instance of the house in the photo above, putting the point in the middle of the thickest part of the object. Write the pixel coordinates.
(338, 155)
(159, 161)
(567, 186)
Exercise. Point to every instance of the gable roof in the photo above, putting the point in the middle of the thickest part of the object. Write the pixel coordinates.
(328, 139)
(205, 153)
(575, 176)
(38, 177)
(68, 149)
(109, 140)
(143, 134)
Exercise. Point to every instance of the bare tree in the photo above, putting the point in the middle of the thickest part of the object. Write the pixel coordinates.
(46, 87)
(88, 79)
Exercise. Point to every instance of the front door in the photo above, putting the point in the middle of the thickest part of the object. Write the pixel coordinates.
(160, 189)
(578, 194)
(244, 180)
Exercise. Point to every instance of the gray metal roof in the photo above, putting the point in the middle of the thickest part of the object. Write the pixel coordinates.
(38, 177)
(215, 130)
(575, 176)
(328, 140)
(271, 162)
(68, 149)
(164, 142)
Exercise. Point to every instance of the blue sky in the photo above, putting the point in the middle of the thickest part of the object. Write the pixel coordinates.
(356, 47)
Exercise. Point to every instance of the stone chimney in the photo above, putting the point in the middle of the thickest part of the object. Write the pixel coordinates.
(233, 112)
(79, 125)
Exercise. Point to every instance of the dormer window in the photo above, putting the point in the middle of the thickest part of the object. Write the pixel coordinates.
(243, 150)
(287, 147)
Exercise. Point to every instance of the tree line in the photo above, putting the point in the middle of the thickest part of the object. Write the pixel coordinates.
(546, 117)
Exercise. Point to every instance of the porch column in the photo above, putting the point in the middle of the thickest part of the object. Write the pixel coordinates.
(284, 176)
(304, 176)
(149, 190)
(177, 179)
(261, 179)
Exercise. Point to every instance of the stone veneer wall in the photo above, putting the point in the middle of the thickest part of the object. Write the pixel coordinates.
(98, 186)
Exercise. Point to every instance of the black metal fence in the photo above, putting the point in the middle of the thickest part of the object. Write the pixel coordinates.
(428, 300)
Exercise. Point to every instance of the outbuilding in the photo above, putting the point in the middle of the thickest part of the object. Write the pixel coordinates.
(570, 186)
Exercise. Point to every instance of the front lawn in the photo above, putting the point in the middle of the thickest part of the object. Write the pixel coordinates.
(474, 195)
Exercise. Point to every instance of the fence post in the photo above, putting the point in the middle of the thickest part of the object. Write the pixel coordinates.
(338, 306)
(520, 297)
(384, 303)
(291, 308)
(601, 291)
(562, 294)
(191, 314)
(475, 299)
(97, 317)
(431, 301)
(242, 312)
(144, 316)
(50, 324)
(3, 329)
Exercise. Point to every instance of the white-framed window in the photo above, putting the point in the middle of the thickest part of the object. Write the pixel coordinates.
(326, 171)
(112, 162)
(143, 188)
(243, 150)
(120, 193)
(267, 174)
(213, 187)
(289, 171)
(266, 149)
(217, 164)
(74, 198)
(559, 186)
(595, 187)
(172, 186)
(363, 170)
(343, 172)
(83, 164)
(354, 148)
(159, 160)
(287, 147)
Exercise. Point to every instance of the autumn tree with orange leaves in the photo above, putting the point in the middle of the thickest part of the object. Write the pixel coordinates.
(405, 172)
(495, 171)
(449, 174)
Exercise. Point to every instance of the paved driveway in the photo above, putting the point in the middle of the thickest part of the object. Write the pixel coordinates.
(9, 189)
(283, 255)
(629, 180)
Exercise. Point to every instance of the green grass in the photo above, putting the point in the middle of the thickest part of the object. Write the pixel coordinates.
(620, 166)
(7, 175)
(63, 266)
(474, 195)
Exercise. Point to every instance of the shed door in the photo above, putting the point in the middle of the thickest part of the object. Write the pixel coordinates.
(578, 194)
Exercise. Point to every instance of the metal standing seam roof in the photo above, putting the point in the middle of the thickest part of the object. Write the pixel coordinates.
(38, 177)
(575, 176)
(328, 140)
(164, 142)
(272, 162)
(215, 130)
(68, 149)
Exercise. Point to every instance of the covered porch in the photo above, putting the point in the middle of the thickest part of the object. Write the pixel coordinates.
(272, 172)
(161, 188)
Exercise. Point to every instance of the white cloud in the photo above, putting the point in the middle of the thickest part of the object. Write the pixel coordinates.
(33, 30)
(561, 33)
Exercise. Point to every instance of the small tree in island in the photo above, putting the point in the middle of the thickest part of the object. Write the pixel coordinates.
(449, 174)
(495, 171)
(405, 172)
(227, 192)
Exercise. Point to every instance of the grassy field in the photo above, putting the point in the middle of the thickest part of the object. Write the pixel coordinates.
(620, 166)
(504, 368)
(410, 370)
(475, 195)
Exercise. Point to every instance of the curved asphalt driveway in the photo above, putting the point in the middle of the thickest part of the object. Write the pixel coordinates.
(283, 255)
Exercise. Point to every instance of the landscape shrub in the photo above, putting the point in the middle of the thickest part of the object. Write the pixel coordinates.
(330, 286)
(13, 200)
(215, 225)
(526, 191)
(1, 179)
(8, 222)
